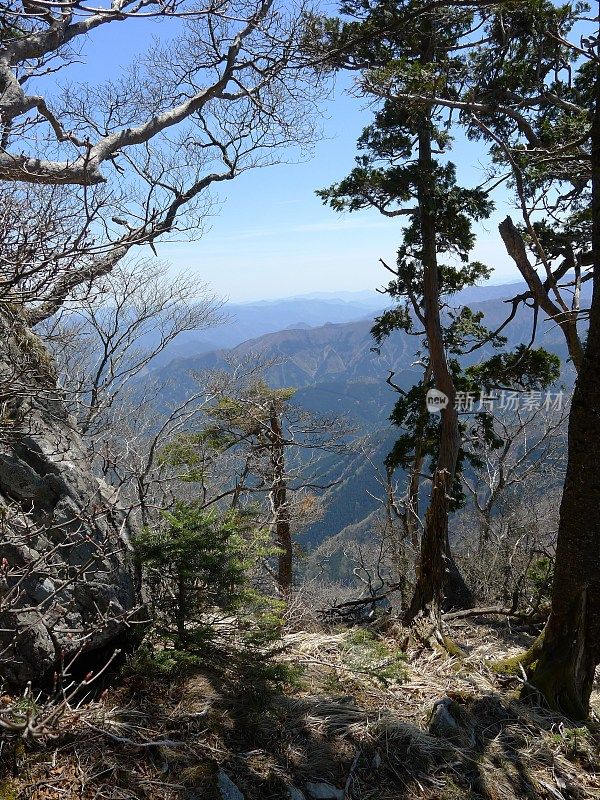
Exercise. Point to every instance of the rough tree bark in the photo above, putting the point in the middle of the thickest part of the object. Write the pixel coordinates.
(279, 504)
(566, 321)
(570, 652)
(438, 579)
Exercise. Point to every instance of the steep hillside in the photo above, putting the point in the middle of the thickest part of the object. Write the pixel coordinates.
(304, 357)
(354, 498)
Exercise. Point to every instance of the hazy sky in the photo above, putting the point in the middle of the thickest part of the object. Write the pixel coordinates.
(272, 237)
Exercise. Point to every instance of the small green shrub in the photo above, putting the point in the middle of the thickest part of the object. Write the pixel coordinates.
(198, 566)
(576, 743)
(8, 790)
(540, 574)
(160, 662)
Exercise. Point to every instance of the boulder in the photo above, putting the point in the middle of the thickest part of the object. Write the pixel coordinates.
(67, 584)
(320, 790)
(227, 787)
(452, 722)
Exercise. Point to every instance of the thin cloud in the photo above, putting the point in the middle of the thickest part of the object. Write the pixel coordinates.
(311, 227)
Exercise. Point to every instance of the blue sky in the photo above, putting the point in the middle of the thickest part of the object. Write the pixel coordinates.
(272, 237)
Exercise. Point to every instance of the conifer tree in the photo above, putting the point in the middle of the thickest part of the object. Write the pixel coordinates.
(199, 562)
(400, 175)
(531, 89)
(535, 99)
(403, 171)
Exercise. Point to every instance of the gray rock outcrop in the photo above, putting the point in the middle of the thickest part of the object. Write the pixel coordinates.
(66, 578)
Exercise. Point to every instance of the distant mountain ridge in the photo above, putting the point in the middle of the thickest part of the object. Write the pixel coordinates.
(336, 368)
(247, 321)
(244, 321)
(307, 356)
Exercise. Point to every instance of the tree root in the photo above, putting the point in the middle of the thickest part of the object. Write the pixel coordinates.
(515, 665)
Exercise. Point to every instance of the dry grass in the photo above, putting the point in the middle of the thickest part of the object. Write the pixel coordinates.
(380, 739)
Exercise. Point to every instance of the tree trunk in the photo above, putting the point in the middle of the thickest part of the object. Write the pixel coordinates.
(457, 594)
(411, 515)
(435, 569)
(281, 513)
(566, 320)
(564, 673)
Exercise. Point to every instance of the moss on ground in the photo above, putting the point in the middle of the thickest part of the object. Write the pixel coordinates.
(514, 665)
(365, 652)
(8, 790)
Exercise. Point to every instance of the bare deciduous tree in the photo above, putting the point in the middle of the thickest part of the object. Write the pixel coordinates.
(499, 540)
(105, 338)
(124, 161)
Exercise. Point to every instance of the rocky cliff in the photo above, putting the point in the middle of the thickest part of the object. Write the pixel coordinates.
(66, 579)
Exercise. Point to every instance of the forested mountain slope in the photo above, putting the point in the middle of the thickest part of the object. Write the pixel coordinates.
(302, 357)
(337, 369)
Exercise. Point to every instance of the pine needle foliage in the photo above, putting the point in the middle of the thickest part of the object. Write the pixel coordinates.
(198, 564)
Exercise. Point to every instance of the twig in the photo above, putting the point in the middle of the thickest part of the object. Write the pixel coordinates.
(351, 773)
(132, 742)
